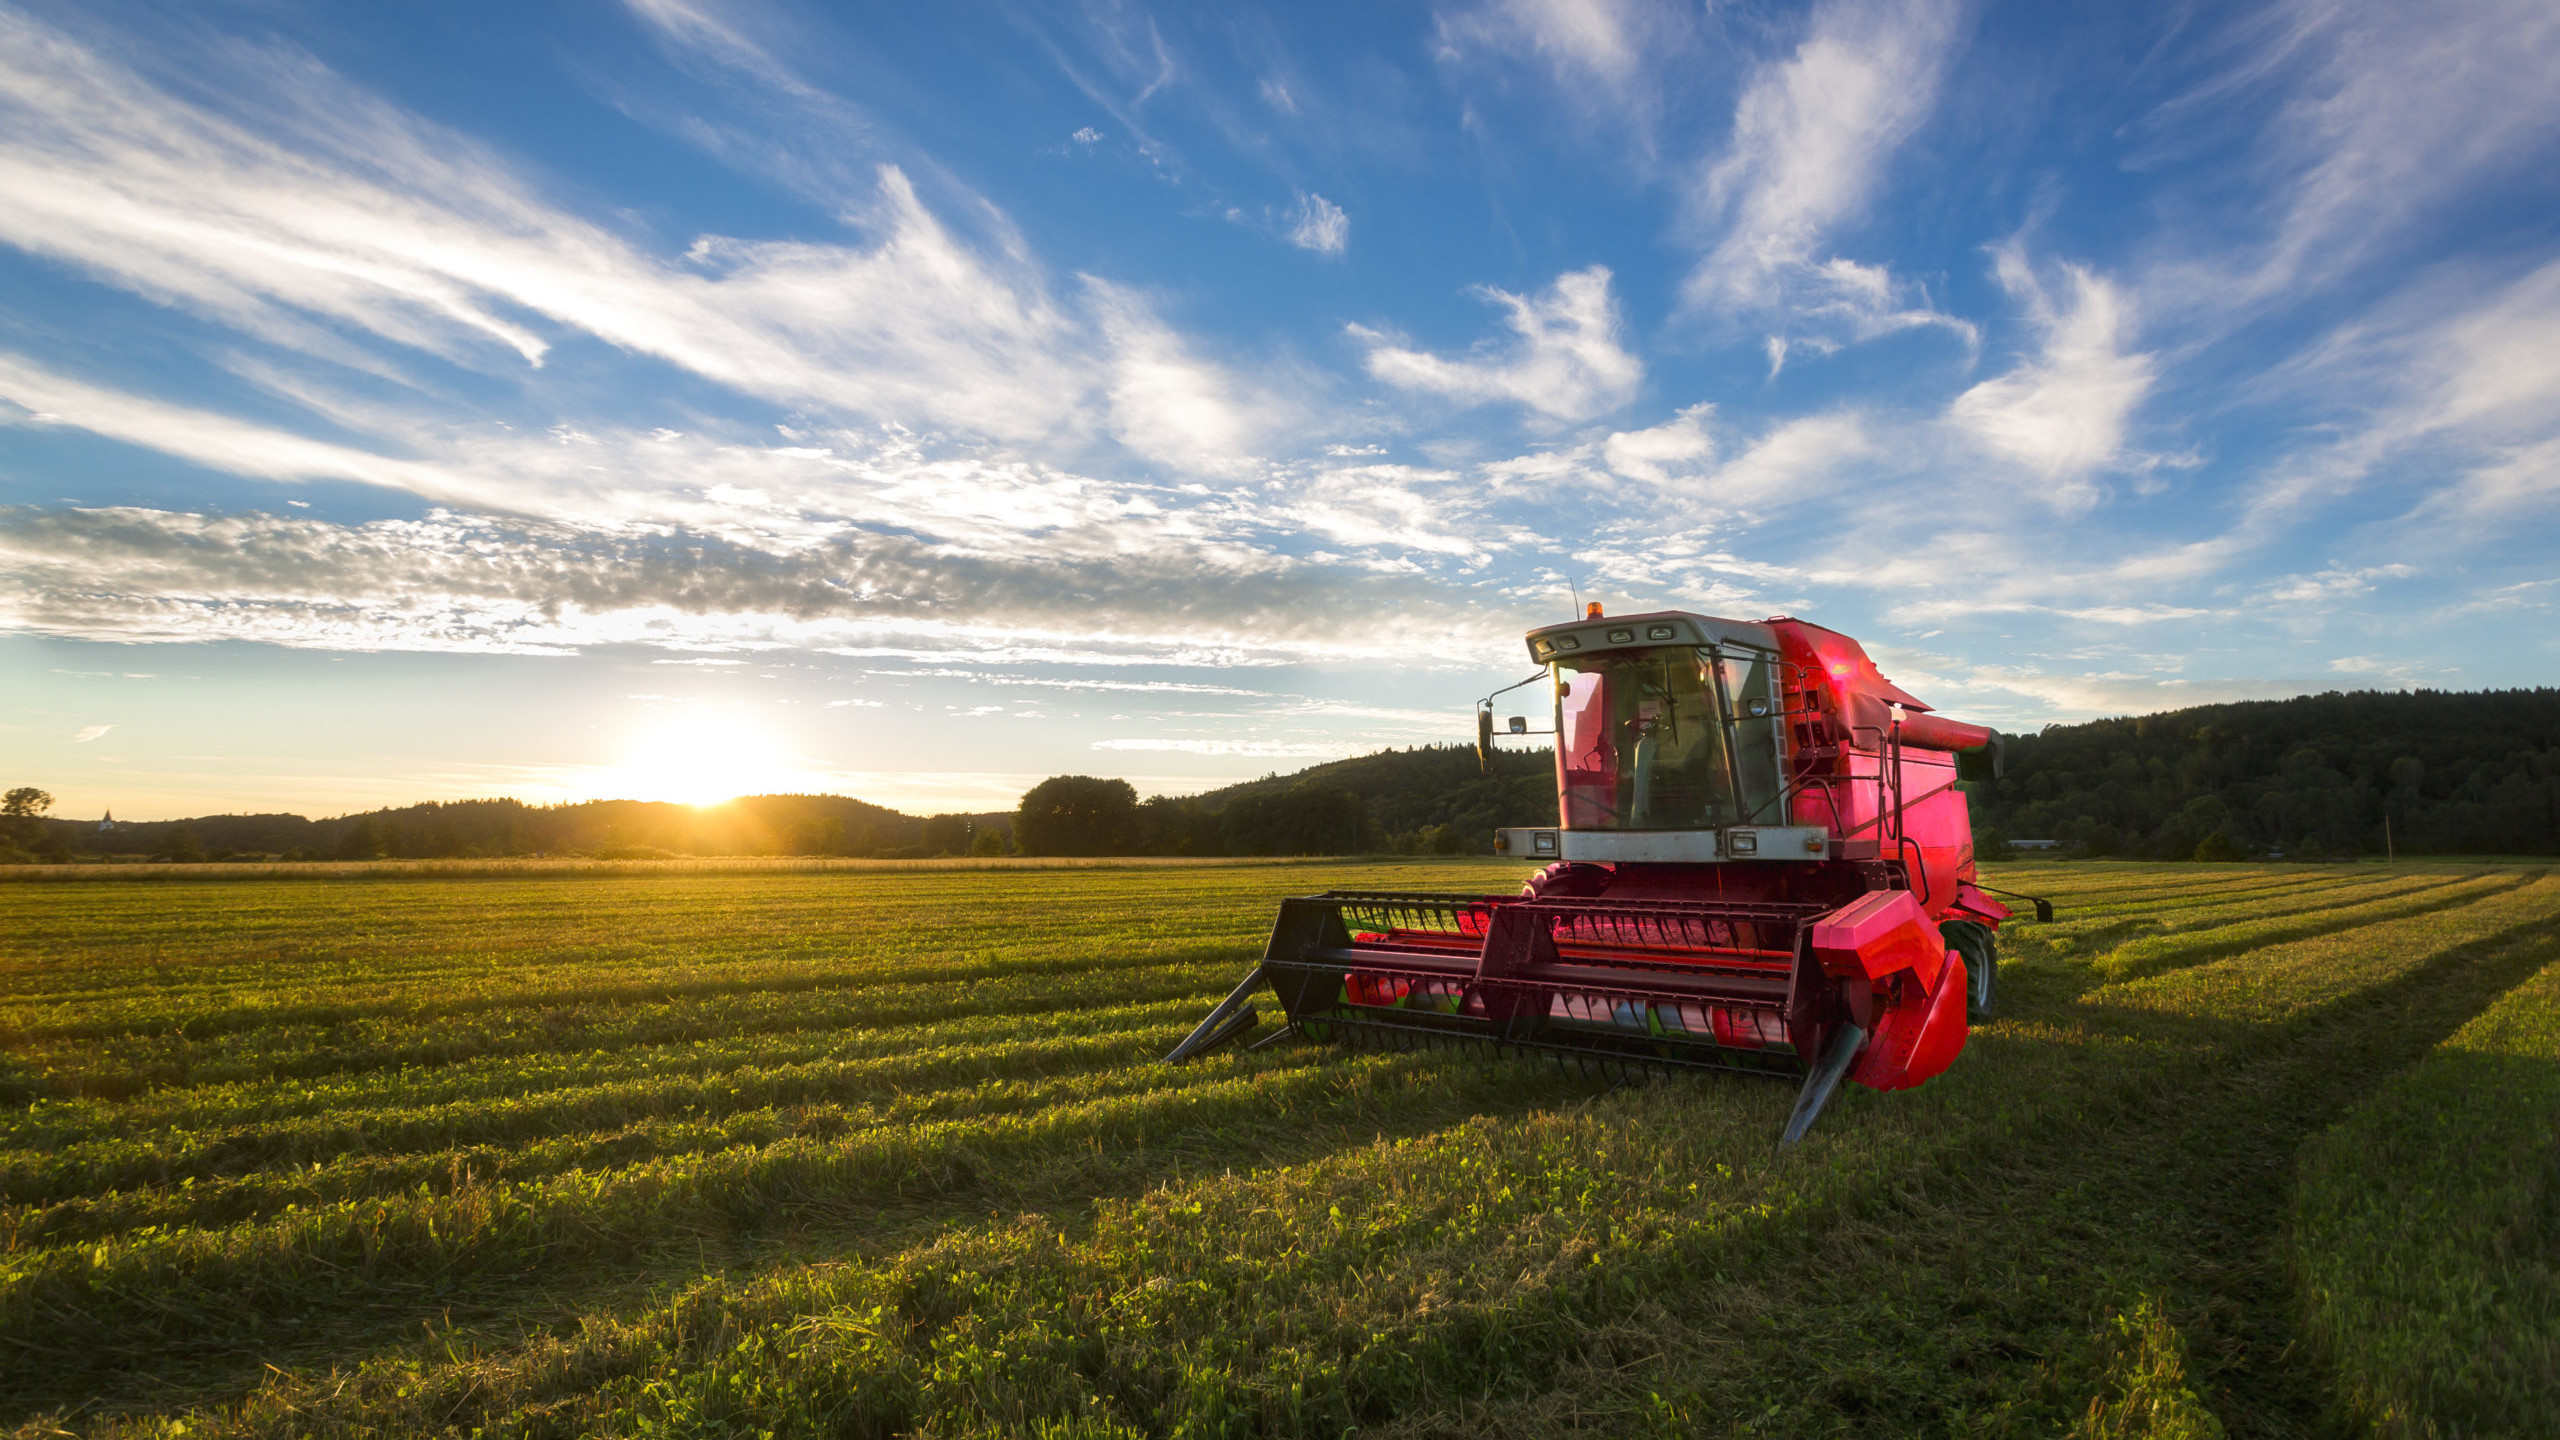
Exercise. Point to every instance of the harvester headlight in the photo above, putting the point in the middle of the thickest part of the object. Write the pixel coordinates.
(1546, 647)
(1622, 637)
(1743, 842)
(1519, 724)
(1542, 842)
(1567, 642)
(1661, 632)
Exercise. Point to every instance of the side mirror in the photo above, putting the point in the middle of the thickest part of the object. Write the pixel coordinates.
(1484, 737)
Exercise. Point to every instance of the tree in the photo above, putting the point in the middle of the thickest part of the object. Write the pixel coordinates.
(180, 845)
(987, 842)
(367, 839)
(22, 822)
(2219, 846)
(818, 837)
(947, 834)
(1077, 815)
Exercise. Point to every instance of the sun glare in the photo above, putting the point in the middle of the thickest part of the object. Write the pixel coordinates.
(701, 759)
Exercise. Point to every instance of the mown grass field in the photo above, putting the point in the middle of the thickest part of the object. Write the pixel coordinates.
(2250, 1150)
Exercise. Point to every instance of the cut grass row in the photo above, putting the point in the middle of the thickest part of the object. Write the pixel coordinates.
(619, 1130)
(2155, 953)
(2083, 926)
(2427, 1233)
(87, 1145)
(132, 1066)
(2283, 982)
(197, 1288)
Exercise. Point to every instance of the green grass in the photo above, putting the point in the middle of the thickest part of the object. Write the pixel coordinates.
(692, 1152)
(2427, 1232)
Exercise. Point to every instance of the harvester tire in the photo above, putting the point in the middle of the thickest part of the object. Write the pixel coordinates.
(1980, 949)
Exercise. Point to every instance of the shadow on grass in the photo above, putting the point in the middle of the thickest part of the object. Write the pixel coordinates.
(1977, 1291)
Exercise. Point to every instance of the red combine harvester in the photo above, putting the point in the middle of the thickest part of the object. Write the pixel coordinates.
(1761, 863)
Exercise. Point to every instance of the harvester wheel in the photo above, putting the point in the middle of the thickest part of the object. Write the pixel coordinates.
(1980, 949)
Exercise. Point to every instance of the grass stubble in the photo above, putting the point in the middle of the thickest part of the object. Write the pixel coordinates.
(810, 1154)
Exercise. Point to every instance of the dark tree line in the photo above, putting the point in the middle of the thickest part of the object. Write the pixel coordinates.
(1430, 800)
(2473, 772)
(756, 825)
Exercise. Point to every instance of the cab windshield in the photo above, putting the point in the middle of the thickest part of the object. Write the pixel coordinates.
(1641, 740)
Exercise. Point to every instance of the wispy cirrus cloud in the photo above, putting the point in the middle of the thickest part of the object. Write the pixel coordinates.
(2390, 120)
(2064, 413)
(298, 203)
(1812, 133)
(1256, 749)
(1320, 225)
(1565, 358)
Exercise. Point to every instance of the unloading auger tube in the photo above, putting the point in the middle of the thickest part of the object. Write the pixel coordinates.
(1761, 864)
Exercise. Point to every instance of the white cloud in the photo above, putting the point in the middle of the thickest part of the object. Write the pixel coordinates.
(1595, 37)
(2401, 108)
(476, 584)
(1167, 404)
(2138, 614)
(90, 733)
(1565, 361)
(2452, 386)
(1811, 135)
(1320, 226)
(2333, 587)
(2063, 414)
(1609, 61)
(1680, 444)
(1799, 461)
(1272, 749)
(2090, 694)
(323, 204)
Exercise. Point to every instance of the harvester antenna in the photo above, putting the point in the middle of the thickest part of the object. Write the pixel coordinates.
(1577, 596)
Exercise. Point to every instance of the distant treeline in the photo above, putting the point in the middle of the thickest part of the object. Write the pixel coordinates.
(2474, 772)
(1430, 800)
(626, 829)
(1414, 801)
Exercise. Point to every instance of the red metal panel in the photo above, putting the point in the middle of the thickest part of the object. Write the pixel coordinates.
(1877, 936)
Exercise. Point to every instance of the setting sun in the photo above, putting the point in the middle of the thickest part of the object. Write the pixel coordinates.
(700, 758)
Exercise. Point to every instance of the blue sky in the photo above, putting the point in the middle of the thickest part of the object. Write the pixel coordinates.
(672, 397)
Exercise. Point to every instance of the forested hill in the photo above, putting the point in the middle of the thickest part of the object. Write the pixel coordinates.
(1431, 797)
(2454, 772)
(753, 825)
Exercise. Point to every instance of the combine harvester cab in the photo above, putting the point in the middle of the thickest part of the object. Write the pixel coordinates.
(1761, 863)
